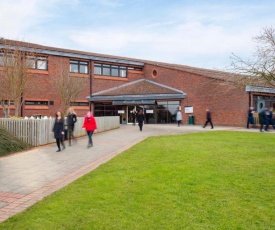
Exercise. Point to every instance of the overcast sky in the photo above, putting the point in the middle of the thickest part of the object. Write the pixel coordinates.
(189, 32)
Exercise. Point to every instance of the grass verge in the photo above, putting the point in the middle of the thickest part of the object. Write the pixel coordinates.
(213, 180)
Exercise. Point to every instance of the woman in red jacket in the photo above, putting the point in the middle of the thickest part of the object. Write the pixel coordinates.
(90, 125)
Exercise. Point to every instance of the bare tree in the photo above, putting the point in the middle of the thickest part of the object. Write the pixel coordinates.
(260, 69)
(14, 76)
(67, 87)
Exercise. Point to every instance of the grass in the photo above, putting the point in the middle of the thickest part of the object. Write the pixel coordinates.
(10, 144)
(213, 180)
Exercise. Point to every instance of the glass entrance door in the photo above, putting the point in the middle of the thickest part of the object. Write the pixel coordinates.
(132, 112)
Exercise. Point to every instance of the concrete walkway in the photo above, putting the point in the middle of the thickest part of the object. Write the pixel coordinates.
(29, 176)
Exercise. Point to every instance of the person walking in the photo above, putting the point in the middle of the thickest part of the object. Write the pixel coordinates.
(58, 130)
(270, 117)
(90, 125)
(250, 118)
(264, 119)
(71, 120)
(208, 119)
(178, 117)
(140, 119)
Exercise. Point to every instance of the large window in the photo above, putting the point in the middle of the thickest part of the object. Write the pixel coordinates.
(162, 113)
(37, 63)
(101, 110)
(79, 67)
(112, 70)
(167, 111)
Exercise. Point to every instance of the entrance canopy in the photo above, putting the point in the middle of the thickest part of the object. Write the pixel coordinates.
(141, 91)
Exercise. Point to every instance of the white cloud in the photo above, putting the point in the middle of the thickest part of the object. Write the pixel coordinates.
(188, 40)
(16, 17)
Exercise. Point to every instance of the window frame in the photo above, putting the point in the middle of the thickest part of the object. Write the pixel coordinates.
(79, 103)
(114, 70)
(36, 60)
(79, 64)
(34, 103)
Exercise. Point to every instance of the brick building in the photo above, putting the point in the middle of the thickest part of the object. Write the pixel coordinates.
(115, 85)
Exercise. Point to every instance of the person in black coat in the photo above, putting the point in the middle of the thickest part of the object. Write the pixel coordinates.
(58, 130)
(270, 118)
(264, 119)
(71, 120)
(208, 119)
(140, 119)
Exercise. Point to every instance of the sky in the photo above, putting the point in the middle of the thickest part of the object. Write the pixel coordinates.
(197, 33)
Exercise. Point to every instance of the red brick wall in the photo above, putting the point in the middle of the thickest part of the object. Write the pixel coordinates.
(229, 107)
(41, 89)
(102, 83)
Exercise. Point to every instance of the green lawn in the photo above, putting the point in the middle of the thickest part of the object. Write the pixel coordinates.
(213, 180)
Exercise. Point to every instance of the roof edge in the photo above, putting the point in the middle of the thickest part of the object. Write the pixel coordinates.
(250, 88)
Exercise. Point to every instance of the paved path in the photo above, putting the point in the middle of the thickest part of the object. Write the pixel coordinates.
(28, 177)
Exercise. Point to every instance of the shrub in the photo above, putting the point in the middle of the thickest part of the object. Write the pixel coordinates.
(10, 144)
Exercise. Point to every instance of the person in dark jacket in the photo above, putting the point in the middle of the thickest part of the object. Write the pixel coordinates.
(140, 119)
(90, 125)
(71, 120)
(58, 130)
(208, 119)
(250, 118)
(264, 119)
(270, 118)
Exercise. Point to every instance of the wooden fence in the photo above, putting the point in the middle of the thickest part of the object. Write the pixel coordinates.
(38, 132)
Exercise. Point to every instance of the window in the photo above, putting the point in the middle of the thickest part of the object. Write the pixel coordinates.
(78, 67)
(155, 73)
(79, 103)
(106, 70)
(167, 110)
(97, 69)
(32, 62)
(6, 102)
(36, 102)
(37, 63)
(106, 110)
(122, 71)
(8, 59)
(112, 70)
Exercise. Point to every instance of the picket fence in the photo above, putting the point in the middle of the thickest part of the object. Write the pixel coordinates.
(38, 132)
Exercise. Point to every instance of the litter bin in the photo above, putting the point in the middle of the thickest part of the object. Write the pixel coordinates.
(191, 120)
